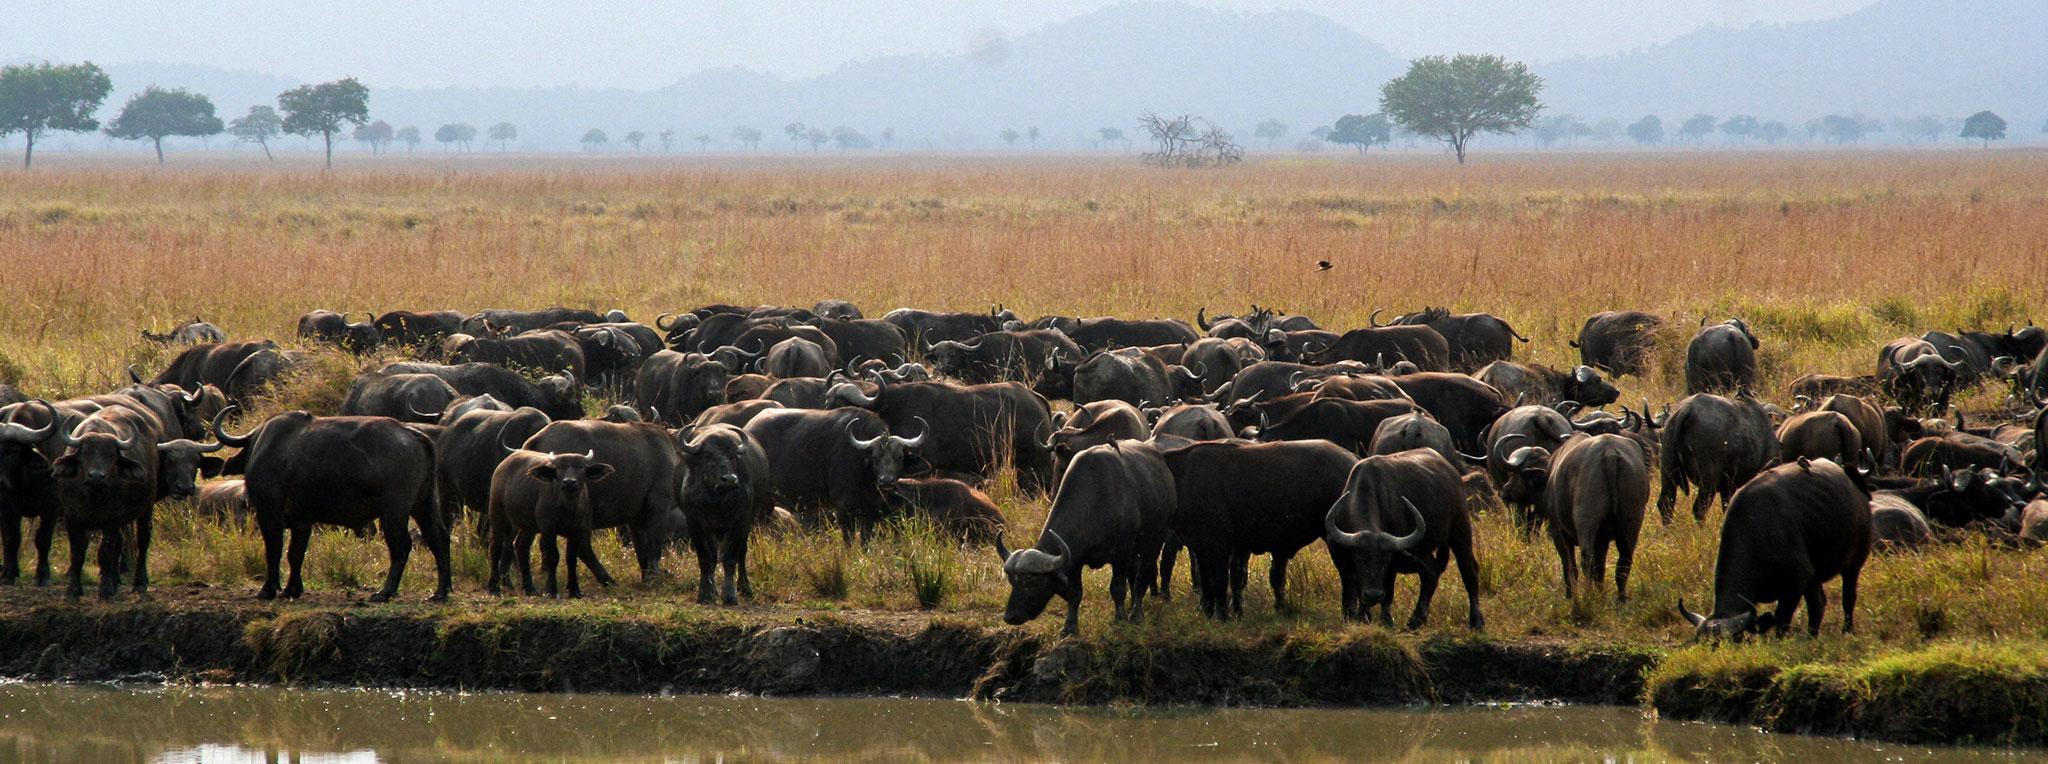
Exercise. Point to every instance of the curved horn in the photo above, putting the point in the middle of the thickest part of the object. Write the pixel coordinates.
(510, 449)
(658, 322)
(1059, 561)
(11, 432)
(1002, 550)
(134, 377)
(1690, 617)
(1201, 318)
(1294, 380)
(430, 415)
(1801, 402)
(1629, 420)
(238, 441)
(1336, 535)
(864, 444)
(923, 428)
(1374, 319)
(851, 393)
(1415, 537)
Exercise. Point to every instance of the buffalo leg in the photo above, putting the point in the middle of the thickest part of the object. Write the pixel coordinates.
(398, 542)
(1624, 561)
(1564, 560)
(522, 546)
(295, 556)
(1240, 569)
(1387, 604)
(46, 532)
(1277, 577)
(569, 567)
(1667, 497)
(735, 557)
(111, 552)
(549, 555)
(10, 536)
(1849, 601)
(1468, 574)
(79, 539)
(582, 550)
(647, 550)
(1141, 572)
(1073, 625)
(1816, 606)
(707, 563)
(435, 530)
(1703, 500)
(273, 554)
(1119, 585)
(1425, 590)
(1593, 562)
(500, 545)
(1167, 555)
(1787, 608)
(143, 533)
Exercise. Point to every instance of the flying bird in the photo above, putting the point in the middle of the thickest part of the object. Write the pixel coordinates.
(1322, 265)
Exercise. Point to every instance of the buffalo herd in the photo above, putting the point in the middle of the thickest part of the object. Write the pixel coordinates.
(1254, 434)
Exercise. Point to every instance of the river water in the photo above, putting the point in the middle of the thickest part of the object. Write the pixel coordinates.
(96, 723)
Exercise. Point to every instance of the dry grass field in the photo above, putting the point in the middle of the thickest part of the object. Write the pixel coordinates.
(1827, 255)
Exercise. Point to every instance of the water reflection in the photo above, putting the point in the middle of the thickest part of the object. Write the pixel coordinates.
(70, 723)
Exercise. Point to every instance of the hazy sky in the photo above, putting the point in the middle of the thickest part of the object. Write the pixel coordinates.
(648, 43)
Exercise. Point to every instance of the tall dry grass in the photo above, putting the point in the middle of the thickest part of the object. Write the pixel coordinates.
(1827, 255)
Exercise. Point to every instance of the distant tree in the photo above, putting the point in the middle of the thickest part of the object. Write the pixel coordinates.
(1010, 136)
(1031, 134)
(1741, 127)
(1188, 141)
(1842, 129)
(1984, 126)
(1270, 130)
(1773, 131)
(668, 140)
(847, 138)
(460, 133)
(1110, 135)
(749, 136)
(817, 136)
(504, 133)
(322, 109)
(155, 113)
(1560, 128)
(703, 141)
(37, 98)
(258, 126)
(797, 133)
(888, 137)
(1321, 134)
(1697, 129)
(1925, 127)
(374, 135)
(410, 136)
(1608, 131)
(1647, 131)
(1453, 99)
(634, 137)
(1361, 131)
(595, 139)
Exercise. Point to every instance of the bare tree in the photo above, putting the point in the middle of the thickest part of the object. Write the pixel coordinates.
(1188, 141)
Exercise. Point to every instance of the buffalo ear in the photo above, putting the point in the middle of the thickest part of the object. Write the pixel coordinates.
(542, 472)
(65, 467)
(211, 466)
(597, 471)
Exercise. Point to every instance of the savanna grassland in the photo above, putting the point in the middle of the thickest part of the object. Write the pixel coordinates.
(1827, 255)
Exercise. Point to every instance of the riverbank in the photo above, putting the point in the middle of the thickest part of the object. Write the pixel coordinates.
(1940, 693)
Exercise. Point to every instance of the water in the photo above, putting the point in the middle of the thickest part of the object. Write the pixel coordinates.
(72, 723)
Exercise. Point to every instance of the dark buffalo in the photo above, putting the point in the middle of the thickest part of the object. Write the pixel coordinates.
(1092, 425)
(619, 413)
(1476, 339)
(469, 403)
(746, 387)
(1023, 356)
(1419, 345)
(1618, 342)
(611, 353)
(106, 481)
(27, 489)
(1818, 386)
(223, 500)
(953, 507)
(1963, 497)
(675, 387)
(973, 429)
(1984, 354)
(535, 494)
(1712, 445)
(1098, 334)
(1349, 424)
(641, 493)
(1464, 405)
(10, 396)
(404, 397)
(1240, 499)
(1267, 380)
(714, 331)
(499, 321)
(416, 329)
(1721, 358)
(1895, 523)
(334, 328)
(193, 332)
(1217, 362)
(1916, 375)
(1542, 384)
(547, 350)
(796, 357)
(1115, 503)
(556, 395)
(1380, 528)
(1592, 492)
(726, 490)
(1195, 422)
(923, 327)
(838, 310)
(1253, 325)
(1297, 345)
(1789, 531)
(737, 414)
(348, 471)
(1820, 435)
(1411, 431)
(843, 460)
(469, 451)
(1956, 450)
(1880, 432)
(812, 392)
(760, 338)
(202, 365)
(1127, 375)
(258, 371)
(866, 338)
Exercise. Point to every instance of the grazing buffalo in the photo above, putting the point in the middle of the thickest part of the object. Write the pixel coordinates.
(1127, 375)
(1880, 432)
(1402, 513)
(674, 388)
(407, 328)
(348, 471)
(1115, 503)
(1253, 325)
(1789, 531)
(499, 321)
(1216, 362)
(760, 338)
(1618, 342)
(1349, 424)
(1818, 386)
(840, 460)
(838, 310)
(27, 489)
(334, 329)
(1267, 380)
(546, 350)
(469, 451)
(106, 481)
(1712, 445)
(223, 500)
(1099, 334)
(807, 392)
(746, 387)
(1022, 356)
(640, 494)
(1195, 422)
(726, 491)
(1983, 354)
(1548, 386)
(404, 397)
(796, 357)
(1820, 435)
(1411, 431)
(258, 371)
(923, 327)
(548, 496)
(1092, 425)
(737, 414)
(193, 332)
(972, 429)
(866, 338)
(1240, 499)
(1464, 405)
(953, 507)
(1297, 345)
(1419, 345)
(1476, 339)
(1916, 375)
(214, 364)
(1592, 492)
(555, 395)
(1721, 358)
(1896, 524)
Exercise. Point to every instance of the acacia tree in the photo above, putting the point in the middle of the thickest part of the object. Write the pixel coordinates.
(1010, 136)
(634, 137)
(459, 133)
(1697, 128)
(375, 135)
(1188, 141)
(1453, 99)
(1361, 131)
(1740, 127)
(817, 136)
(1112, 135)
(1270, 130)
(797, 133)
(37, 98)
(1984, 126)
(410, 136)
(750, 136)
(668, 140)
(322, 109)
(1773, 131)
(847, 138)
(594, 139)
(1647, 131)
(703, 142)
(156, 113)
(504, 133)
(258, 126)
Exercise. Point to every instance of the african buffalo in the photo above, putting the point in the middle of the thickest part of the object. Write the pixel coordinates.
(737, 414)
(1916, 375)
(1379, 528)
(1349, 424)
(923, 328)
(1127, 375)
(953, 507)
(106, 481)
(972, 429)
(1476, 339)
(1195, 422)
(1240, 499)
(500, 321)
(1721, 358)
(726, 490)
(796, 357)
(555, 395)
(1113, 508)
(1712, 445)
(193, 332)
(1618, 342)
(334, 328)
(545, 495)
(843, 460)
(1591, 492)
(404, 397)
(675, 387)
(215, 364)
(1536, 383)
(641, 493)
(1818, 386)
(1412, 431)
(469, 451)
(1464, 405)
(1023, 356)
(1092, 425)
(1984, 354)
(1896, 524)
(1792, 529)
(1419, 345)
(547, 350)
(865, 338)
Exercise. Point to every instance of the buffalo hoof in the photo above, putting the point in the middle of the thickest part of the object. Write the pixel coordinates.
(381, 597)
(7, 581)
(704, 597)
(731, 601)
(266, 595)
(440, 596)
(74, 595)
